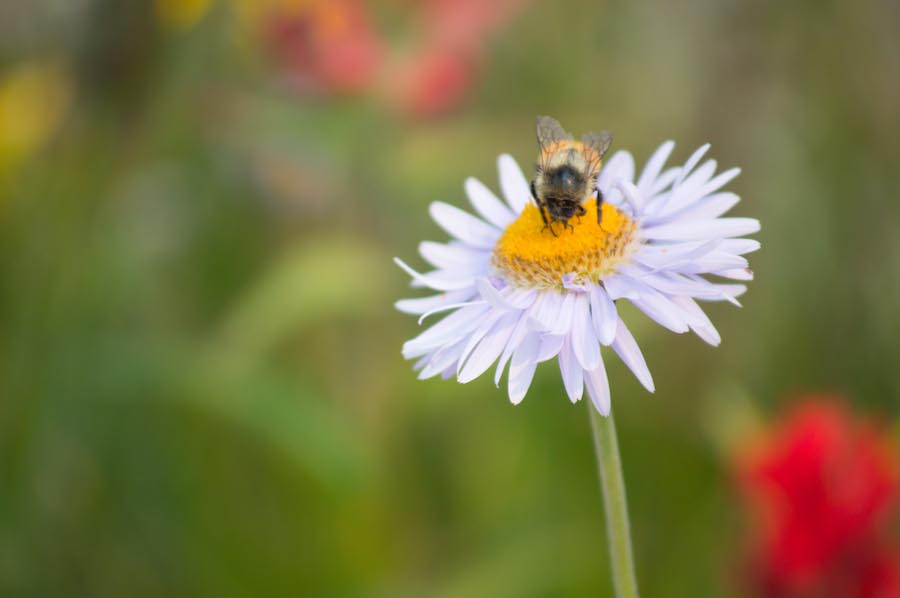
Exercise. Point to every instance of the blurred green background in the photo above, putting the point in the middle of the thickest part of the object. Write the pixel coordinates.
(201, 387)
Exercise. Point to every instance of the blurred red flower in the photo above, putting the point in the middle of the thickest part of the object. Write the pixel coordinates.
(334, 47)
(328, 46)
(821, 488)
(431, 82)
(436, 75)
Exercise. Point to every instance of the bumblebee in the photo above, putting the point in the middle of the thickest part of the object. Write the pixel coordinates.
(565, 175)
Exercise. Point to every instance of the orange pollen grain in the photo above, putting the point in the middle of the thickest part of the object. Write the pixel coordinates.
(529, 255)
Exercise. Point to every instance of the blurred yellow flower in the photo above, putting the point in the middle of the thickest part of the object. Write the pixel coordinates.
(181, 14)
(252, 13)
(33, 100)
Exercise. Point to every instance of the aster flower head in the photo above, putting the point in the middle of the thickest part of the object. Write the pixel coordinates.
(519, 295)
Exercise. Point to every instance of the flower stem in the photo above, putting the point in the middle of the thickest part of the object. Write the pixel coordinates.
(618, 530)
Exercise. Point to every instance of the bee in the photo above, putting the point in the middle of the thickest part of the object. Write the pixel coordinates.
(565, 175)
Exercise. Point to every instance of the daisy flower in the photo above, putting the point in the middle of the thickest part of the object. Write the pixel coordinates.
(519, 295)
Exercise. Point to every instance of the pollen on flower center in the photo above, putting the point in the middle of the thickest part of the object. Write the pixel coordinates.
(528, 254)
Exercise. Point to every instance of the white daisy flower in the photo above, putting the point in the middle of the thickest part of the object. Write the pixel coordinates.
(520, 295)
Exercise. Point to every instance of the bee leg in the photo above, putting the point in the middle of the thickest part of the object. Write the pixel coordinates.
(547, 223)
(581, 212)
(570, 226)
(541, 207)
(599, 211)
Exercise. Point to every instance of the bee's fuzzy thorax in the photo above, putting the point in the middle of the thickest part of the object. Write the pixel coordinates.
(564, 178)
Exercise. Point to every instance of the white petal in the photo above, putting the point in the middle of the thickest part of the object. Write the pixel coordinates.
(691, 285)
(632, 196)
(739, 246)
(476, 335)
(737, 274)
(545, 310)
(521, 369)
(626, 168)
(584, 343)
(663, 257)
(449, 330)
(632, 274)
(598, 388)
(518, 297)
(664, 180)
(698, 321)
(619, 287)
(711, 206)
(422, 362)
(562, 323)
(450, 277)
(689, 190)
(443, 308)
(630, 354)
(620, 167)
(654, 167)
(487, 205)
(713, 261)
(488, 350)
(446, 278)
(464, 226)
(513, 184)
(518, 333)
(720, 180)
(691, 230)
(454, 256)
(425, 304)
(439, 280)
(571, 373)
(603, 315)
(551, 345)
(493, 296)
(729, 291)
(661, 310)
(443, 359)
(689, 165)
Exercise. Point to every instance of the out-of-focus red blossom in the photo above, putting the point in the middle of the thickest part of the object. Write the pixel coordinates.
(463, 24)
(431, 83)
(333, 47)
(821, 489)
(436, 75)
(327, 46)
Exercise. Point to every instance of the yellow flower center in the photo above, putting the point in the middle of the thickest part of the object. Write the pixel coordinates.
(529, 255)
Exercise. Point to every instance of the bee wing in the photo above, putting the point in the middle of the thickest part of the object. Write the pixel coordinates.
(599, 144)
(549, 131)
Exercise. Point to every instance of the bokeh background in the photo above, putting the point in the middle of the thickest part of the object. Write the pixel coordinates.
(201, 387)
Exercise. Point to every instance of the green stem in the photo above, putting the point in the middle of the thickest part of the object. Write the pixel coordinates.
(610, 465)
